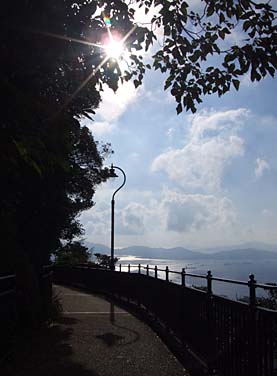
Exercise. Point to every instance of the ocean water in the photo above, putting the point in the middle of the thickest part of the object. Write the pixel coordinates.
(265, 271)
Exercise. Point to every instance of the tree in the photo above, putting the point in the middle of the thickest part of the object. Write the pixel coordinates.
(73, 253)
(192, 40)
(49, 164)
(269, 301)
(52, 72)
(104, 261)
(197, 52)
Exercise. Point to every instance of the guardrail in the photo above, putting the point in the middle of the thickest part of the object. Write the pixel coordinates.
(45, 285)
(230, 337)
(251, 283)
(7, 313)
(10, 308)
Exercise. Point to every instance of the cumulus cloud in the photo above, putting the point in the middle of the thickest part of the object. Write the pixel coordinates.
(170, 218)
(100, 127)
(191, 212)
(212, 142)
(261, 167)
(112, 107)
(132, 219)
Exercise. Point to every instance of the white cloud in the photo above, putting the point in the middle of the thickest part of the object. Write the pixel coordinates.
(212, 143)
(194, 212)
(99, 128)
(132, 219)
(261, 167)
(160, 220)
(113, 105)
(267, 213)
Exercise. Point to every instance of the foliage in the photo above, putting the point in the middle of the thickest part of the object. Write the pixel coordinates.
(200, 54)
(49, 164)
(52, 74)
(104, 261)
(73, 253)
(202, 50)
(270, 301)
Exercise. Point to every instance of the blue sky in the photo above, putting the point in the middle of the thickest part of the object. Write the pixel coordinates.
(201, 180)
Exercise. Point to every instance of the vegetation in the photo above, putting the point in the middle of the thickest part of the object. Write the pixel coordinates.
(72, 253)
(269, 301)
(52, 73)
(199, 54)
(104, 261)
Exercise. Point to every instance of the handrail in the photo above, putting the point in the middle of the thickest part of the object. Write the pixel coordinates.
(220, 332)
(7, 277)
(251, 283)
(219, 279)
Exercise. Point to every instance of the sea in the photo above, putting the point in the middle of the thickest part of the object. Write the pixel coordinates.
(265, 271)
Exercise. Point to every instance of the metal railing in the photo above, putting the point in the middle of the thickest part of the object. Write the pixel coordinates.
(251, 283)
(232, 338)
(10, 307)
(7, 313)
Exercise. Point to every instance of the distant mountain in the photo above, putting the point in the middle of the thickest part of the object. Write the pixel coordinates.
(98, 248)
(177, 253)
(252, 245)
(244, 254)
(180, 253)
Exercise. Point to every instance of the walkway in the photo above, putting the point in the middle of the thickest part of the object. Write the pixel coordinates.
(94, 338)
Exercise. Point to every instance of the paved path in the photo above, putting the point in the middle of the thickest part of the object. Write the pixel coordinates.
(95, 338)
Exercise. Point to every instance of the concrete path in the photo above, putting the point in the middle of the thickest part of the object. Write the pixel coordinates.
(94, 338)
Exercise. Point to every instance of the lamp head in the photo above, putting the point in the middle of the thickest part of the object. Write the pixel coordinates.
(112, 172)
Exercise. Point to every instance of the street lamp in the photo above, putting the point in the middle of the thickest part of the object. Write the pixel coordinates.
(113, 174)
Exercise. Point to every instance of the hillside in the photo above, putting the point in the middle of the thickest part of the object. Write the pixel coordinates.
(180, 253)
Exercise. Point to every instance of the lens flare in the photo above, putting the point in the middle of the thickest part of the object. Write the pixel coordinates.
(107, 21)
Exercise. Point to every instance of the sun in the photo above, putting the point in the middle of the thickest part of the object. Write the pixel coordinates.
(114, 49)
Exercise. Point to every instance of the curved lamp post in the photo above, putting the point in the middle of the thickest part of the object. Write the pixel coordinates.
(113, 174)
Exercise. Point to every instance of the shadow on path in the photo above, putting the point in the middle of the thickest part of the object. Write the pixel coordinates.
(47, 352)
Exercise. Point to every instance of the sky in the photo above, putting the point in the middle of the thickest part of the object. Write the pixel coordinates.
(193, 180)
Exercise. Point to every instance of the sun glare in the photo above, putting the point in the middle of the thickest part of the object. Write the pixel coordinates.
(114, 49)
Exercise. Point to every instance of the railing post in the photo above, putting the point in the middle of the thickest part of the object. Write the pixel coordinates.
(183, 275)
(252, 290)
(209, 282)
(166, 274)
(147, 270)
(139, 268)
(129, 268)
(253, 356)
(120, 268)
(156, 271)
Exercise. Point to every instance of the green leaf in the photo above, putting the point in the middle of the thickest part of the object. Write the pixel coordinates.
(245, 4)
(236, 84)
(210, 11)
(179, 108)
(221, 34)
(246, 25)
(136, 83)
(221, 18)
(195, 56)
(184, 11)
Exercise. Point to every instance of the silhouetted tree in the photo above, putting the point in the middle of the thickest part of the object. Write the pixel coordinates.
(73, 253)
(50, 80)
(269, 301)
(104, 261)
(49, 164)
